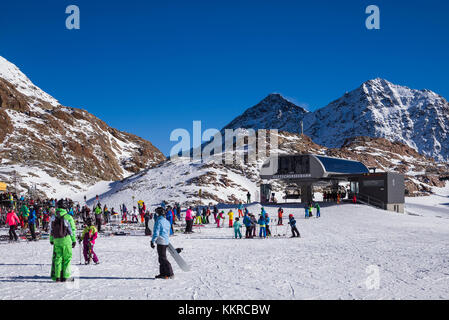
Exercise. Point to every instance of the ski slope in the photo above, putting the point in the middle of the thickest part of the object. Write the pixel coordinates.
(333, 260)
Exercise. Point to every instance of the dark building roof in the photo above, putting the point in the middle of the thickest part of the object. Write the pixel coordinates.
(336, 165)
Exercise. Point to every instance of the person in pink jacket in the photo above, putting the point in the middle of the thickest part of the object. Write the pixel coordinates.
(189, 220)
(12, 220)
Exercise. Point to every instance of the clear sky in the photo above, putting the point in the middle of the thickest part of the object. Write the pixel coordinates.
(148, 67)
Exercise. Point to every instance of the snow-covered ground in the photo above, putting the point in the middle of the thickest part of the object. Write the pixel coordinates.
(338, 257)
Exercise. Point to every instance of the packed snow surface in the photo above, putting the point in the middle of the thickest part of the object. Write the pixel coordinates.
(336, 257)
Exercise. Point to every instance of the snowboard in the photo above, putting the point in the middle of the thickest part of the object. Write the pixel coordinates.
(179, 260)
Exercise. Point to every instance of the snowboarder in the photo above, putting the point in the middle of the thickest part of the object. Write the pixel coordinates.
(237, 226)
(161, 237)
(63, 239)
(292, 223)
(88, 238)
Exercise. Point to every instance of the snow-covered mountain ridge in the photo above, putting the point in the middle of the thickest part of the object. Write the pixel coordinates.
(378, 109)
(57, 149)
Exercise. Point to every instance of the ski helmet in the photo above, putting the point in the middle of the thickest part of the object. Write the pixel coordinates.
(290, 215)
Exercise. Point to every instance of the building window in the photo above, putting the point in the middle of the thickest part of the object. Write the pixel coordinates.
(373, 183)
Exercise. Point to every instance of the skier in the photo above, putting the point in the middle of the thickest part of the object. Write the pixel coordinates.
(231, 218)
(198, 215)
(32, 223)
(280, 212)
(88, 238)
(237, 226)
(189, 220)
(23, 215)
(134, 215)
(267, 224)
(292, 223)
(160, 236)
(247, 223)
(306, 208)
(253, 225)
(354, 199)
(248, 198)
(215, 213)
(317, 207)
(262, 225)
(219, 218)
(240, 209)
(62, 237)
(12, 220)
(45, 220)
(98, 218)
(124, 213)
(310, 210)
(147, 218)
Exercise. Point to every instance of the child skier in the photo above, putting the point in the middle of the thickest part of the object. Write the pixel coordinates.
(292, 223)
(237, 226)
(262, 225)
(88, 237)
(219, 218)
(317, 207)
(267, 224)
(231, 218)
(306, 208)
(253, 226)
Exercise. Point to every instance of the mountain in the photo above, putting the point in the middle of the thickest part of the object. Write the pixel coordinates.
(378, 108)
(60, 150)
(273, 112)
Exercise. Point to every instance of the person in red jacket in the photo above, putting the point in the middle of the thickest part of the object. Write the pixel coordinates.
(12, 220)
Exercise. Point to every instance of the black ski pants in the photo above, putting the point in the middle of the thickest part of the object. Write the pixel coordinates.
(12, 233)
(295, 231)
(32, 230)
(165, 268)
(189, 224)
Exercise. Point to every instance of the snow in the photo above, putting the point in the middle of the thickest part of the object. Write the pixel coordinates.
(12, 74)
(334, 259)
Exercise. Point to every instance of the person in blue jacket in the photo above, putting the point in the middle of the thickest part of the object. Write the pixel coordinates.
(161, 238)
(32, 223)
(262, 226)
(247, 223)
(306, 208)
(292, 223)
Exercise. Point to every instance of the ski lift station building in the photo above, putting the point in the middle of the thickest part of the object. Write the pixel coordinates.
(385, 190)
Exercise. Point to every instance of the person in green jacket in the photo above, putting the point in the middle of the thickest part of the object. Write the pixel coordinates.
(63, 239)
(24, 213)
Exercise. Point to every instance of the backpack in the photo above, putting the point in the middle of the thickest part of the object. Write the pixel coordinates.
(59, 228)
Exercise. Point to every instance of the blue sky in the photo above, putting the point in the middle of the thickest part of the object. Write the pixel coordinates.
(148, 67)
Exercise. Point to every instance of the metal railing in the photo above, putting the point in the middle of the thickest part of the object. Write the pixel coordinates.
(370, 200)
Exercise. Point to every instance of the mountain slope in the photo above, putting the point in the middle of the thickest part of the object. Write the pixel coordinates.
(70, 147)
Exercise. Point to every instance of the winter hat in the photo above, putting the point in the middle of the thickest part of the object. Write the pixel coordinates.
(290, 215)
(62, 204)
(159, 211)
